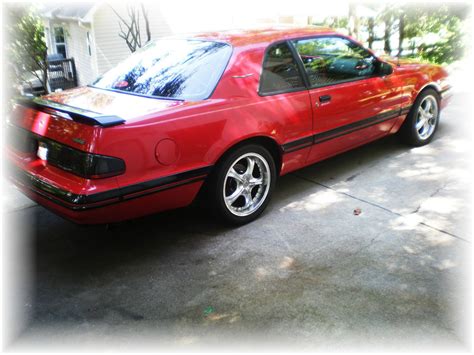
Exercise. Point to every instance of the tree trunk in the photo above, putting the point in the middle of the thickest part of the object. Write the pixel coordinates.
(353, 21)
(44, 72)
(47, 88)
(371, 30)
(147, 24)
(401, 33)
(386, 36)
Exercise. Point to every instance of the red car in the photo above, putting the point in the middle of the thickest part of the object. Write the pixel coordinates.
(225, 113)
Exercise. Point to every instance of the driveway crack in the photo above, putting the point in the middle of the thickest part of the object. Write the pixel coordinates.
(366, 246)
(382, 207)
(437, 191)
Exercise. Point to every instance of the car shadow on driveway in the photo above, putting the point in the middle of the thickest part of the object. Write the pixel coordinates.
(156, 233)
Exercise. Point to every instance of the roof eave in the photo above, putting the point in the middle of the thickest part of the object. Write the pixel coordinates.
(88, 18)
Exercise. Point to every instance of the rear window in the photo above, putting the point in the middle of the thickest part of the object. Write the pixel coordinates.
(170, 68)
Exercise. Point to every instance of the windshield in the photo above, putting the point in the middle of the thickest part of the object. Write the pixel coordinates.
(170, 68)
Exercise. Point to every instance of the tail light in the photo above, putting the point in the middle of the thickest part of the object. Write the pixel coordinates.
(87, 165)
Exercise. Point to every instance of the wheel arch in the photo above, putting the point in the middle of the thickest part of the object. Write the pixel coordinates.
(428, 86)
(431, 85)
(267, 142)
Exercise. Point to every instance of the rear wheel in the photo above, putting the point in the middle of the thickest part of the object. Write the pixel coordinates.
(422, 120)
(243, 183)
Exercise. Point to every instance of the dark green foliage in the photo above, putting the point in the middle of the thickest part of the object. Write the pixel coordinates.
(413, 22)
(444, 21)
(27, 46)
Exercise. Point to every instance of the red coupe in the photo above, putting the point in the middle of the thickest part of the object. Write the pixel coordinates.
(225, 113)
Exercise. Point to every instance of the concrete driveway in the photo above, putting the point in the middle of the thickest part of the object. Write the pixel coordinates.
(309, 274)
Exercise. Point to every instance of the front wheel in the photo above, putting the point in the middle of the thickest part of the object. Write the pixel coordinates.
(243, 184)
(422, 121)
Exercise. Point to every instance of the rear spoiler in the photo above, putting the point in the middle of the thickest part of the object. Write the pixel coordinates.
(74, 113)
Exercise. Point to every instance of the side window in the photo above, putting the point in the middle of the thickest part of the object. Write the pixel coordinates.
(280, 72)
(331, 60)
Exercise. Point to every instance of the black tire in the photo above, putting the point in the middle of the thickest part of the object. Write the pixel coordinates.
(215, 184)
(409, 132)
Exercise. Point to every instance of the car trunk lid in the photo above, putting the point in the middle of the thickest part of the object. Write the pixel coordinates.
(125, 105)
(76, 117)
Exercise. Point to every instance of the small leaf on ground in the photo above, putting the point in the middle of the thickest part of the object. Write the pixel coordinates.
(208, 310)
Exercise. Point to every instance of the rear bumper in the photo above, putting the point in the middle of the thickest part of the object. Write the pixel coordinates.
(112, 205)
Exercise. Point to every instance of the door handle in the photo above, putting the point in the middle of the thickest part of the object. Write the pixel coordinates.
(325, 98)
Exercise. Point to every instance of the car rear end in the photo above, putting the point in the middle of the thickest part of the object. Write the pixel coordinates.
(51, 158)
(92, 168)
(109, 152)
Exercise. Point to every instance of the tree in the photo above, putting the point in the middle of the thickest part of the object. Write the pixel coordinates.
(130, 28)
(371, 32)
(445, 21)
(353, 21)
(401, 31)
(387, 16)
(27, 47)
(336, 22)
(434, 33)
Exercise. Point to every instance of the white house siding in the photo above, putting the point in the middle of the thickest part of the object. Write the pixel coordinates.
(164, 20)
(110, 48)
(78, 49)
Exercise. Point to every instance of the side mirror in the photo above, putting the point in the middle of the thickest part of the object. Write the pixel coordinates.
(385, 69)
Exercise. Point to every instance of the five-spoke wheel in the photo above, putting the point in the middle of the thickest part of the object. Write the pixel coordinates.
(427, 117)
(247, 183)
(422, 120)
(242, 184)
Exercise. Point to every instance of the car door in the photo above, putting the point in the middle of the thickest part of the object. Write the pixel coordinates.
(351, 103)
(284, 96)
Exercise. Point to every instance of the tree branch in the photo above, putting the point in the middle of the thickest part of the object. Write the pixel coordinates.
(147, 24)
(130, 28)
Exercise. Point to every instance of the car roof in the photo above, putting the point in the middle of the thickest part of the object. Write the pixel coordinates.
(262, 35)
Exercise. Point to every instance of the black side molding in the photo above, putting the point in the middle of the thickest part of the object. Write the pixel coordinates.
(343, 130)
(76, 114)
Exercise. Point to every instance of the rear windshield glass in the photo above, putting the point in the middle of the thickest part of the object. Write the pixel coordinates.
(171, 68)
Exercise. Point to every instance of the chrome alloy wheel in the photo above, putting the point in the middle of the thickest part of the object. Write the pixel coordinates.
(427, 117)
(246, 184)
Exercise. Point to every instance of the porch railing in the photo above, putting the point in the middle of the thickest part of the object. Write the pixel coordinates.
(62, 75)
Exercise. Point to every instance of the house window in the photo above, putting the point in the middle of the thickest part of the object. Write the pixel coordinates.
(60, 41)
